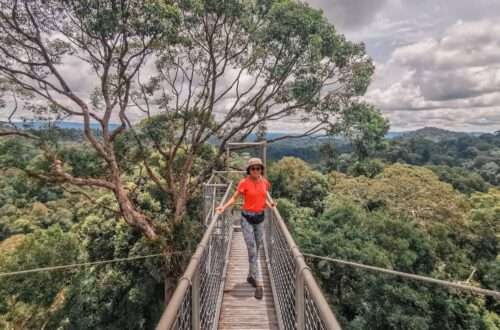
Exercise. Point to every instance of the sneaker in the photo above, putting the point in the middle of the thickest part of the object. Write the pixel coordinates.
(259, 292)
(251, 280)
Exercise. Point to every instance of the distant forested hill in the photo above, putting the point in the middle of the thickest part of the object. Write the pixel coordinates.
(479, 154)
(470, 152)
(468, 161)
(432, 133)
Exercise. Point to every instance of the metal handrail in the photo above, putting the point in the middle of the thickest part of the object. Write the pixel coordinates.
(186, 305)
(195, 304)
(300, 301)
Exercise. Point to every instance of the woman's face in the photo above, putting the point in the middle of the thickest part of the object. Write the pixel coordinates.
(255, 171)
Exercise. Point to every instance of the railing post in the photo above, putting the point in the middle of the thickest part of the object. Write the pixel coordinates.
(263, 152)
(195, 302)
(299, 298)
(268, 237)
(206, 207)
(214, 197)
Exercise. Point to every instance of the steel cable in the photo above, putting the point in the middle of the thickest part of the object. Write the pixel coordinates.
(421, 278)
(82, 264)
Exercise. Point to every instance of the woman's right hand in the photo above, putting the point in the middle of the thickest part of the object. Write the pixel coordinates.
(220, 209)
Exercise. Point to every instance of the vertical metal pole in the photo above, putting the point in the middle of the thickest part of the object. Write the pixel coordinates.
(209, 247)
(195, 301)
(206, 208)
(214, 197)
(263, 151)
(299, 298)
(268, 223)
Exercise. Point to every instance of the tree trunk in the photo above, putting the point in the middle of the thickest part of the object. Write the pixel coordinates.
(182, 195)
(169, 289)
(132, 216)
(180, 207)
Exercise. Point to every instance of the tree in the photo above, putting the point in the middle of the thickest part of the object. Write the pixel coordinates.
(127, 295)
(29, 300)
(113, 39)
(478, 154)
(490, 172)
(292, 178)
(328, 156)
(366, 129)
(224, 69)
(260, 62)
(367, 300)
(408, 191)
(369, 168)
(485, 217)
(462, 180)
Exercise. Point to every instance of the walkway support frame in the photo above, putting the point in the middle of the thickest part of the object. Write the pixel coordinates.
(195, 304)
(299, 301)
(261, 146)
(196, 300)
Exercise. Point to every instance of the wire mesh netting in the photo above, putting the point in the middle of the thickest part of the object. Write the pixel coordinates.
(312, 318)
(183, 319)
(212, 271)
(282, 269)
(209, 271)
(202, 298)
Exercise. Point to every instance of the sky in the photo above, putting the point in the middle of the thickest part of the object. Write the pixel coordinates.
(437, 61)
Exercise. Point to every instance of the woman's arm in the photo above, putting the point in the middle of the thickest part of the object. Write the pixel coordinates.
(269, 202)
(230, 202)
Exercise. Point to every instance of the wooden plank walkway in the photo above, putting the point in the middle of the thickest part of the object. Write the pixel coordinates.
(240, 309)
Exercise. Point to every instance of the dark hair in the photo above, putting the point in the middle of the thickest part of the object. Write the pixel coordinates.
(261, 166)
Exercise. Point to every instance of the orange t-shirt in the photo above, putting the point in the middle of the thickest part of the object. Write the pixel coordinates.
(254, 193)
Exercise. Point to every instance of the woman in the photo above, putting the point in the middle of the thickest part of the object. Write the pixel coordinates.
(253, 188)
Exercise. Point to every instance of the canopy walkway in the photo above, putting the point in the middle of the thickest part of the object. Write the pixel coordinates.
(213, 292)
(240, 309)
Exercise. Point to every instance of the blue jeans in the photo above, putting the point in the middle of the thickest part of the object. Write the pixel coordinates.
(253, 239)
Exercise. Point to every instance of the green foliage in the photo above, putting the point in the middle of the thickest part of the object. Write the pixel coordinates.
(83, 162)
(125, 295)
(15, 153)
(107, 18)
(41, 249)
(365, 300)
(474, 154)
(369, 168)
(366, 128)
(372, 301)
(30, 299)
(27, 204)
(64, 228)
(404, 218)
(408, 191)
(462, 180)
(485, 216)
(112, 299)
(292, 178)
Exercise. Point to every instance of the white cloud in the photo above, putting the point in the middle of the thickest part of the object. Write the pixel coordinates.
(455, 78)
(463, 45)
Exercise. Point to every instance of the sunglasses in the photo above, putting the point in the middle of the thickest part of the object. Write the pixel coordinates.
(255, 168)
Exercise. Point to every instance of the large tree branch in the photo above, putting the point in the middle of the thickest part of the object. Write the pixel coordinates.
(81, 181)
